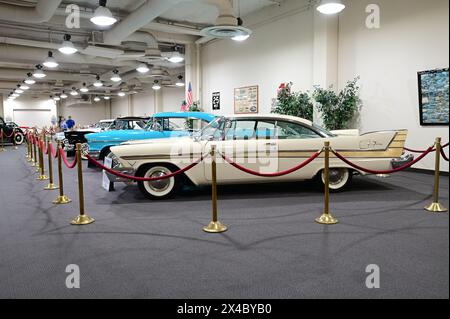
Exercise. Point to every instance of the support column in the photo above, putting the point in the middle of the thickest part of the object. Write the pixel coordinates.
(130, 105)
(325, 63)
(158, 96)
(191, 70)
(1, 106)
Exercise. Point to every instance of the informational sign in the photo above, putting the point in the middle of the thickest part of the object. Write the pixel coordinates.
(106, 183)
(246, 100)
(216, 101)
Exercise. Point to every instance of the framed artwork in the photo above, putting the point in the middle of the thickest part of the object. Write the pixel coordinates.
(246, 100)
(216, 101)
(433, 97)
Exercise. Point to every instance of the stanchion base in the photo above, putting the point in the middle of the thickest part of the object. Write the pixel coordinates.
(16, 148)
(38, 169)
(82, 220)
(383, 175)
(51, 187)
(215, 227)
(2, 150)
(436, 208)
(29, 159)
(43, 178)
(62, 200)
(34, 164)
(327, 219)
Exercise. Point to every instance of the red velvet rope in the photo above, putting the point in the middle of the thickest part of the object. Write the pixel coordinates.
(54, 152)
(417, 151)
(444, 156)
(44, 149)
(283, 173)
(12, 134)
(66, 162)
(142, 179)
(445, 145)
(369, 171)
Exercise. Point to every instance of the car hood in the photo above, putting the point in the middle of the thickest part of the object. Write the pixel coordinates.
(123, 135)
(159, 140)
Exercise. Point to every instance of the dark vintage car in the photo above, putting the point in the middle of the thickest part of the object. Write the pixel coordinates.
(8, 131)
(71, 138)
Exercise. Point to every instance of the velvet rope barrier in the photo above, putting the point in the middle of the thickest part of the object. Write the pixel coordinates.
(143, 179)
(8, 136)
(54, 152)
(417, 151)
(66, 162)
(444, 156)
(369, 171)
(44, 149)
(283, 173)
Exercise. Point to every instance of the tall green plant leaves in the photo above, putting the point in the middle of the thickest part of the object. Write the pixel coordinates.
(293, 103)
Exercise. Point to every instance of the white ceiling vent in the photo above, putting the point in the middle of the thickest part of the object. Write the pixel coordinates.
(225, 31)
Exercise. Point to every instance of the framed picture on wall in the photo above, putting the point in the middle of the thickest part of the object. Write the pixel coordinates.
(246, 100)
(433, 97)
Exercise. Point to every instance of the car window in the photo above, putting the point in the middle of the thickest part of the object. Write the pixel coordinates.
(240, 130)
(265, 130)
(2, 122)
(289, 130)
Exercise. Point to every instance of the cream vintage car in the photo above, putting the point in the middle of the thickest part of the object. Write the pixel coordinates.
(263, 143)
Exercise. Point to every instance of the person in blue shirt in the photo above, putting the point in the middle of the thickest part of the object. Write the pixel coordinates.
(70, 123)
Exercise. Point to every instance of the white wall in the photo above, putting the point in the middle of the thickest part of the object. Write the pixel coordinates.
(37, 111)
(85, 114)
(414, 36)
(277, 52)
(172, 99)
(144, 104)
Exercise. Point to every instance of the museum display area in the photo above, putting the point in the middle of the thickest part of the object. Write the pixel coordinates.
(212, 150)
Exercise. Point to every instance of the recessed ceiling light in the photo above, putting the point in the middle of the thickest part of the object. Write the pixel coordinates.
(107, 97)
(330, 6)
(67, 46)
(121, 94)
(50, 61)
(103, 16)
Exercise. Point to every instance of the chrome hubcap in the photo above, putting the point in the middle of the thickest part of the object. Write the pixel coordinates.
(336, 176)
(160, 185)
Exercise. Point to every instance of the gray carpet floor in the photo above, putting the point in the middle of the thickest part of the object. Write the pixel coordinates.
(273, 248)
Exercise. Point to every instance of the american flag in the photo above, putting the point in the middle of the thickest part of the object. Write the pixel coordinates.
(190, 98)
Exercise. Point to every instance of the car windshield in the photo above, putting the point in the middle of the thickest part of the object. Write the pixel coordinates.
(216, 130)
(190, 124)
(323, 130)
(103, 125)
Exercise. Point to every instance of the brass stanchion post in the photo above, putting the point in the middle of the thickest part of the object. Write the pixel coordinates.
(215, 226)
(28, 156)
(326, 217)
(61, 199)
(2, 148)
(435, 206)
(81, 219)
(51, 186)
(42, 176)
(34, 164)
(38, 159)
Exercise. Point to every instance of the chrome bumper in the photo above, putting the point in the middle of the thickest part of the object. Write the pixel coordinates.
(125, 170)
(399, 162)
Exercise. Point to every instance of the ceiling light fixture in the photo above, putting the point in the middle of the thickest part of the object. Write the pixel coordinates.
(116, 77)
(50, 61)
(74, 92)
(24, 87)
(18, 90)
(98, 83)
(107, 97)
(39, 74)
(142, 68)
(156, 86)
(30, 80)
(121, 94)
(103, 16)
(15, 95)
(176, 56)
(244, 36)
(64, 95)
(84, 89)
(97, 99)
(67, 46)
(57, 98)
(180, 82)
(330, 7)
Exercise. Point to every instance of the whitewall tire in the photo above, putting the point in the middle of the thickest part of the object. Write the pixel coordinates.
(19, 138)
(340, 178)
(161, 189)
